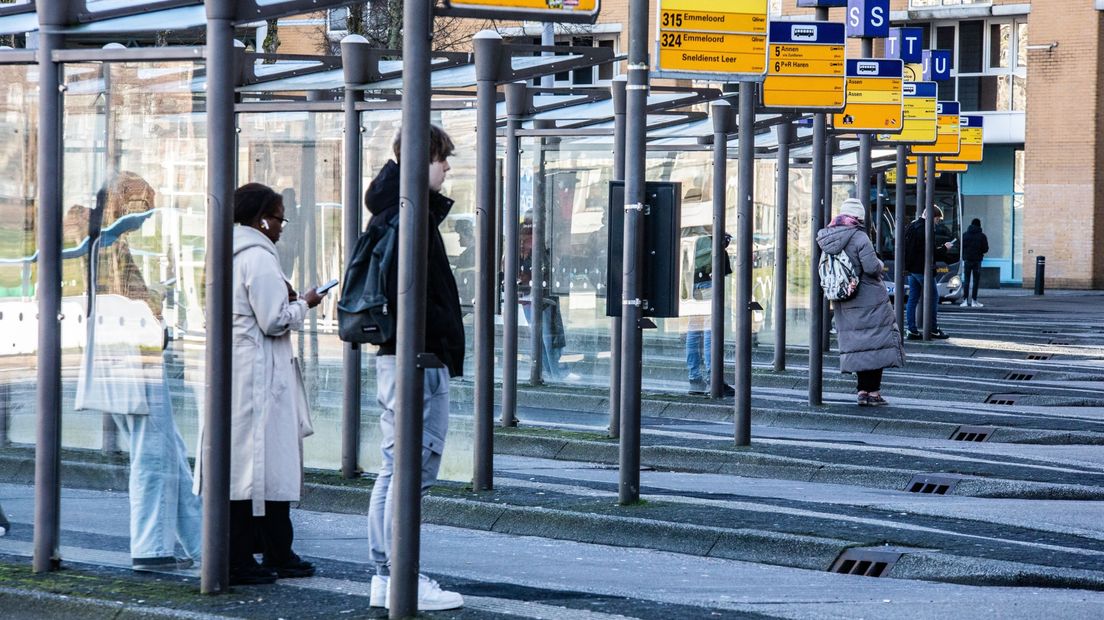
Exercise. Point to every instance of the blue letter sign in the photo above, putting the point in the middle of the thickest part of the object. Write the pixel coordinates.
(937, 65)
(906, 44)
(868, 18)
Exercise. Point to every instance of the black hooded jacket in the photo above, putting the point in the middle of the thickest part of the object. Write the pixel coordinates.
(914, 248)
(975, 245)
(444, 327)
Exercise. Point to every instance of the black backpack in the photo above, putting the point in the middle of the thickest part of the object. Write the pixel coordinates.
(363, 315)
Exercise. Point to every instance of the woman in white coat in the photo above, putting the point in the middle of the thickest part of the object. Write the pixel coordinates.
(269, 408)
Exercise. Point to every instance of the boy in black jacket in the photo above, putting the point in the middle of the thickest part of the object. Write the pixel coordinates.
(974, 247)
(915, 267)
(444, 337)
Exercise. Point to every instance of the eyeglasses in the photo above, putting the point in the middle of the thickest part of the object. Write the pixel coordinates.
(283, 221)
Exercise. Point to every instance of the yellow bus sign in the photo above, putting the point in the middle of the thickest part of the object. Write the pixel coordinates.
(567, 11)
(805, 66)
(874, 99)
(921, 122)
(722, 39)
(972, 140)
(948, 140)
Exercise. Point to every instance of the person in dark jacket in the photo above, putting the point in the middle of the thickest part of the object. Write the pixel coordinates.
(866, 327)
(915, 267)
(974, 247)
(444, 337)
(698, 332)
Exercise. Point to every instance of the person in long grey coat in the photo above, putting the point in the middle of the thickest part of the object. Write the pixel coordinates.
(868, 335)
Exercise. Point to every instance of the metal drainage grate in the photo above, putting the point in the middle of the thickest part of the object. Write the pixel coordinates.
(932, 484)
(1059, 342)
(972, 433)
(1002, 399)
(1019, 376)
(865, 562)
(1039, 356)
(1051, 331)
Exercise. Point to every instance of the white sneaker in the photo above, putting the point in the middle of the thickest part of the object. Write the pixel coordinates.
(977, 304)
(430, 595)
(379, 591)
(965, 302)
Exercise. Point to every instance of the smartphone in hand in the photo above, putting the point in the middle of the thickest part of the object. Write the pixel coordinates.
(325, 288)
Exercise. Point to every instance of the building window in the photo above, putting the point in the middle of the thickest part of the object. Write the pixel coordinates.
(926, 4)
(990, 63)
(586, 76)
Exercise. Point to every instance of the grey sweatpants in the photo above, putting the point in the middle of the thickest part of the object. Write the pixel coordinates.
(435, 410)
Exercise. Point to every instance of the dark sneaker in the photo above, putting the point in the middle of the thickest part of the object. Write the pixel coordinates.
(911, 335)
(161, 563)
(864, 400)
(699, 386)
(938, 334)
(254, 575)
(876, 401)
(294, 568)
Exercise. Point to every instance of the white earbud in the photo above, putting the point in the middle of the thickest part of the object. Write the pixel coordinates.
(264, 224)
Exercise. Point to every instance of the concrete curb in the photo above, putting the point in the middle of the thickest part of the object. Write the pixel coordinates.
(759, 465)
(51, 605)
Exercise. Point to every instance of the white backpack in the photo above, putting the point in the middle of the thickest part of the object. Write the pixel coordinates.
(838, 277)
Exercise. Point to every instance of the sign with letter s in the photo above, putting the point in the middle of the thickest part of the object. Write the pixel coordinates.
(868, 18)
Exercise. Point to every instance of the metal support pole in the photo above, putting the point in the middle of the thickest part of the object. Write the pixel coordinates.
(816, 295)
(722, 123)
(109, 431)
(488, 54)
(516, 103)
(536, 262)
(879, 213)
(355, 66)
(617, 90)
(410, 336)
(929, 250)
(829, 174)
(636, 102)
(537, 246)
(863, 172)
(47, 491)
(744, 229)
(222, 78)
(899, 241)
(921, 187)
(781, 243)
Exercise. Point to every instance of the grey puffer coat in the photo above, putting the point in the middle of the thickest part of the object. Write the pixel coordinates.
(867, 330)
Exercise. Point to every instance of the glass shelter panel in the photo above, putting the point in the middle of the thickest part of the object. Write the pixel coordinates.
(133, 337)
(18, 304)
(575, 199)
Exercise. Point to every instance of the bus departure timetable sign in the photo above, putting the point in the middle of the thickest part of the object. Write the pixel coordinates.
(972, 136)
(921, 119)
(805, 66)
(724, 39)
(947, 142)
(940, 167)
(873, 97)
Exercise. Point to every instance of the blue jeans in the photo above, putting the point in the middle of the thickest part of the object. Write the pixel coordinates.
(550, 355)
(695, 338)
(163, 509)
(435, 410)
(916, 293)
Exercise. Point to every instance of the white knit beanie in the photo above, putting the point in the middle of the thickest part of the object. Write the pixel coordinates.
(854, 208)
